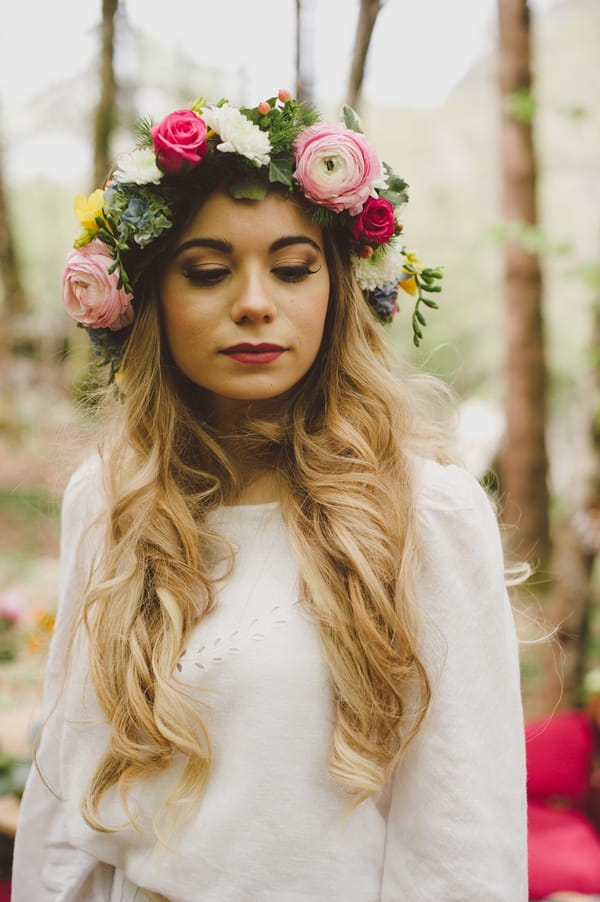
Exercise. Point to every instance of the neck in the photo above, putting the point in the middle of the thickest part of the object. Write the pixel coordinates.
(261, 489)
(256, 475)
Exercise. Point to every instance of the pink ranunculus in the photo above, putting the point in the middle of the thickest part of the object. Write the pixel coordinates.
(337, 167)
(90, 292)
(179, 140)
(375, 222)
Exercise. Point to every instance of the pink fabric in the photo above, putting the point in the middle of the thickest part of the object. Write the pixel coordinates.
(564, 852)
(564, 846)
(559, 756)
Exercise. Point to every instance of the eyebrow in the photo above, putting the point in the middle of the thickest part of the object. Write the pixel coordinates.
(288, 240)
(226, 247)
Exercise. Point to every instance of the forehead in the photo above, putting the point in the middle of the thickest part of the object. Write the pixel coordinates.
(225, 217)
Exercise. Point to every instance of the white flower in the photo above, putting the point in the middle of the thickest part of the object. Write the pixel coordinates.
(383, 268)
(238, 134)
(138, 166)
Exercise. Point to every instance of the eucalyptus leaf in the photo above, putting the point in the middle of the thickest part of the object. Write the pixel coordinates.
(351, 119)
(396, 198)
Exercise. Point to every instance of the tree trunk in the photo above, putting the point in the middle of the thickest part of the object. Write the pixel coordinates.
(305, 64)
(576, 549)
(523, 459)
(369, 10)
(105, 111)
(15, 299)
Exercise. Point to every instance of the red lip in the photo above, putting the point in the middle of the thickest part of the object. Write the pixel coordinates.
(253, 349)
(254, 354)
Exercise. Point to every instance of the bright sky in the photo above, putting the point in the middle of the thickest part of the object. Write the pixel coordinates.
(420, 49)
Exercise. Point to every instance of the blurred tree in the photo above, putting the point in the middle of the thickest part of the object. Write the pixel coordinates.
(576, 549)
(305, 37)
(15, 299)
(105, 111)
(367, 16)
(523, 464)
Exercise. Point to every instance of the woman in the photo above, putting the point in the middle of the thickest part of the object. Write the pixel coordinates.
(292, 670)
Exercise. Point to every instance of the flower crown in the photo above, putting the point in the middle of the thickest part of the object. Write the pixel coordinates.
(279, 142)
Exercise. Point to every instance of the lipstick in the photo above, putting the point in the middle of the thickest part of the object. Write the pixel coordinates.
(254, 354)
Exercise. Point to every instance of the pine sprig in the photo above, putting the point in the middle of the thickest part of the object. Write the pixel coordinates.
(142, 131)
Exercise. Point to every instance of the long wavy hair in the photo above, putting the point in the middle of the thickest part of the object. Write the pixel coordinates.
(341, 448)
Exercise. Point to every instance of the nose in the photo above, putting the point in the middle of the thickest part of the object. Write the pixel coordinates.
(254, 301)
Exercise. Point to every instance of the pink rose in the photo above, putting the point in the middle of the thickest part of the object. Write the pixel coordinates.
(336, 167)
(90, 292)
(375, 222)
(179, 140)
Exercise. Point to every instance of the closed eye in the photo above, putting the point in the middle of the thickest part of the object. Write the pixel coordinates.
(206, 276)
(294, 273)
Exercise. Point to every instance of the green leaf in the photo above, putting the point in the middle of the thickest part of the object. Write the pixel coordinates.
(395, 198)
(248, 189)
(281, 168)
(253, 115)
(351, 119)
(395, 183)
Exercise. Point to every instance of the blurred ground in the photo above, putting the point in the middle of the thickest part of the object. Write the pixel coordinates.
(42, 438)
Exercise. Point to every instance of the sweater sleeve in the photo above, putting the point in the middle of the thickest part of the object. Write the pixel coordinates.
(46, 867)
(456, 821)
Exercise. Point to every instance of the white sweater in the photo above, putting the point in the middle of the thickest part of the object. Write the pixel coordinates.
(271, 828)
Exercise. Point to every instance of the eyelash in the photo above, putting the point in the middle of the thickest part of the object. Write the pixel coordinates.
(294, 273)
(207, 278)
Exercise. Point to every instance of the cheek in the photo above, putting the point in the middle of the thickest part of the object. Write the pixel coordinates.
(312, 326)
(318, 313)
(184, 322)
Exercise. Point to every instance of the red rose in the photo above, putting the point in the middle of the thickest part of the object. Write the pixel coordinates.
(179, 139)
(375, 222)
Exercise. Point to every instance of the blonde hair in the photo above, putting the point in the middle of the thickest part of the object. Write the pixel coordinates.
(341, 451)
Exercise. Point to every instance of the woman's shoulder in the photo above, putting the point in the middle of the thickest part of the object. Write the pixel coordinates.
(447, 487)
(451, 503)
(458, 529)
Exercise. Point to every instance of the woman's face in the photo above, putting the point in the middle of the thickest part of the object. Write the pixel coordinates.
(244, 299)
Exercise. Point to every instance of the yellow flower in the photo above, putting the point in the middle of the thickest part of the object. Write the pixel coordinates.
(409, 285)
(88, 208)
(413, 258)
